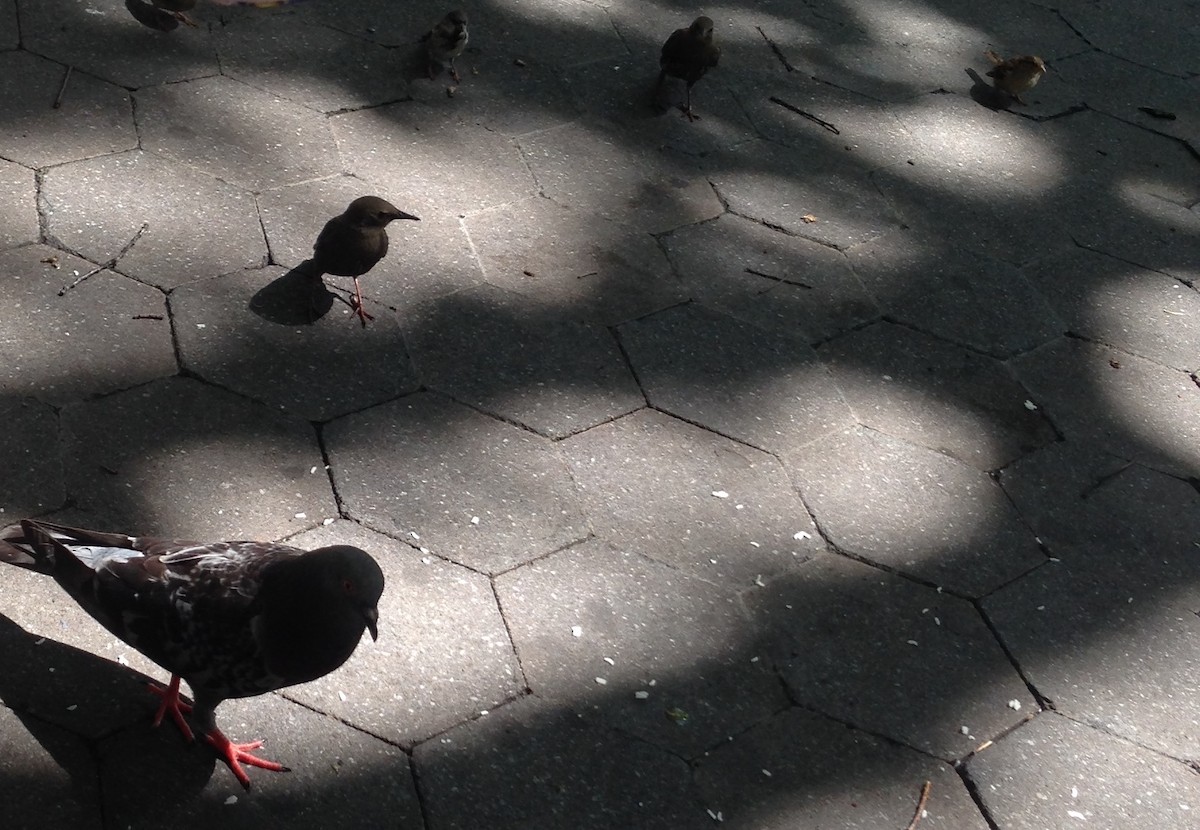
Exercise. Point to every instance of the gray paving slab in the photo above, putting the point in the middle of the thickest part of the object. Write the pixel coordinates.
(534, 765)
(859, 645)
(924, 390)
(443, 653)
(652, 651)
(1106, 299)
(764, 276)
(630, 183)
(800, 769)
(701, 366)
(19, 189)
(196, 227)
(10, 36)
(424, 469)
(107, 333)
(31, 447)
(218, 466)
(653, 485)
(1157, 421)
(914, 511)
(834, 203)
(1056, 774)
(105, 41)
(589, 266)
(932, 284)
(94, 117)
(225, 334)
(46, 778)
(521, 359)
(233, 134)
(1149, 36)
(1135, 574)
(150, 777)
(412, 147)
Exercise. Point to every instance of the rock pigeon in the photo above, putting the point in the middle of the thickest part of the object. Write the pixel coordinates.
(445, 42)
(688, 54)
(350, 244)
(233, 619)
(1015, 76)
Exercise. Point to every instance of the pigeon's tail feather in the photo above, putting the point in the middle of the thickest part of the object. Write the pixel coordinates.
(16, 550)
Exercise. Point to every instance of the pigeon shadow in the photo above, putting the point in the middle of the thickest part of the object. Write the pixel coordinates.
(294, 298)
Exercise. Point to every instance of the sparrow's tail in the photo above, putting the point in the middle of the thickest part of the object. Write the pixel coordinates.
(993, 57)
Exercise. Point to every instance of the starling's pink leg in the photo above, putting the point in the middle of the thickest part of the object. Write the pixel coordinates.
(171, 703)
(358, 305)
(237, 754)
(454, 72)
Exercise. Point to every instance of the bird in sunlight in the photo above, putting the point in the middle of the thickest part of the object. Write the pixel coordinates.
(164, 15)
(445, 42)
(1015, 76)
(233, 619)
(352, 243)
(687, 55)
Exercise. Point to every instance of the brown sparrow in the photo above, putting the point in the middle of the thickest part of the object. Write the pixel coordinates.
(1015, 75)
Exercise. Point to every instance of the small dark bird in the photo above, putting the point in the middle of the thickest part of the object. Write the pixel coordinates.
(350, 244)
(163, 15)
(1015, 76)
(445, 42)
(233, 619)
(687, 55)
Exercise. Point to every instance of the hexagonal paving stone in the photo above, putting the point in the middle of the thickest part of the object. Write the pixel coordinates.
(914, 511)
(32, 448)
(197, 227)
(826, 200)
(1061, 774)
(312, 65)
(532, 765)
(1111, 301)
(619, 178)
(413, 148)
(425, 468)
(523, 359)
(105, 41)
(638, 622)
(424, 261)
(316, 371)
(1123, 404)
(954, 292)
(764, 387)
(18, 192)
(150, 777)
(861, 645)
(1109, 633)
(600, 269)
(49, 780)
(182, 459)
(108, 332)
(800, 769)
(443, 653)
(929, 392)
(38, 135)
(761, 275)
(652, 484)
(236, 133)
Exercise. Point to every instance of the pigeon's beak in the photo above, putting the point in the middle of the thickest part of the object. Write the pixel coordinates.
(372, 617)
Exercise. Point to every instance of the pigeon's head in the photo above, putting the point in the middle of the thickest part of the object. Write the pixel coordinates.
(702, 28)
(354, 576)
(374, 212)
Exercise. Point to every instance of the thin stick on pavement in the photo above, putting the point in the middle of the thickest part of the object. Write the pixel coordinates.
(112, 263)
(912, 825)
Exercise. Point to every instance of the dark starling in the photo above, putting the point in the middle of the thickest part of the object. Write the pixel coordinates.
(350, 244)
(233, 619)
(445, 42)
(687, 55)
(163, 15)
(1015, 76)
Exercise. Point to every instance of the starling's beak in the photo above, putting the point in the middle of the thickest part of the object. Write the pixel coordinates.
(372, 617)
(399, 214)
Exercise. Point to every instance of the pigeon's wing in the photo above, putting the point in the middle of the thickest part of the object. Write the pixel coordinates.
(151, 16)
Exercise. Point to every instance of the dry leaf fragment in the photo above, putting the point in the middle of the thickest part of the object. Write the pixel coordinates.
(51, 260)
(808, 219)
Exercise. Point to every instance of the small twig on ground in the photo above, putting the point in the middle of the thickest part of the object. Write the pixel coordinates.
(112, 263)
(912, 825)
(807, 115)
(778, 279)
(775, 48)
(62, 89)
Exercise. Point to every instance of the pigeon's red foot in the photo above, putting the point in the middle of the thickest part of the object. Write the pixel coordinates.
(237, 754)
(171, 703)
